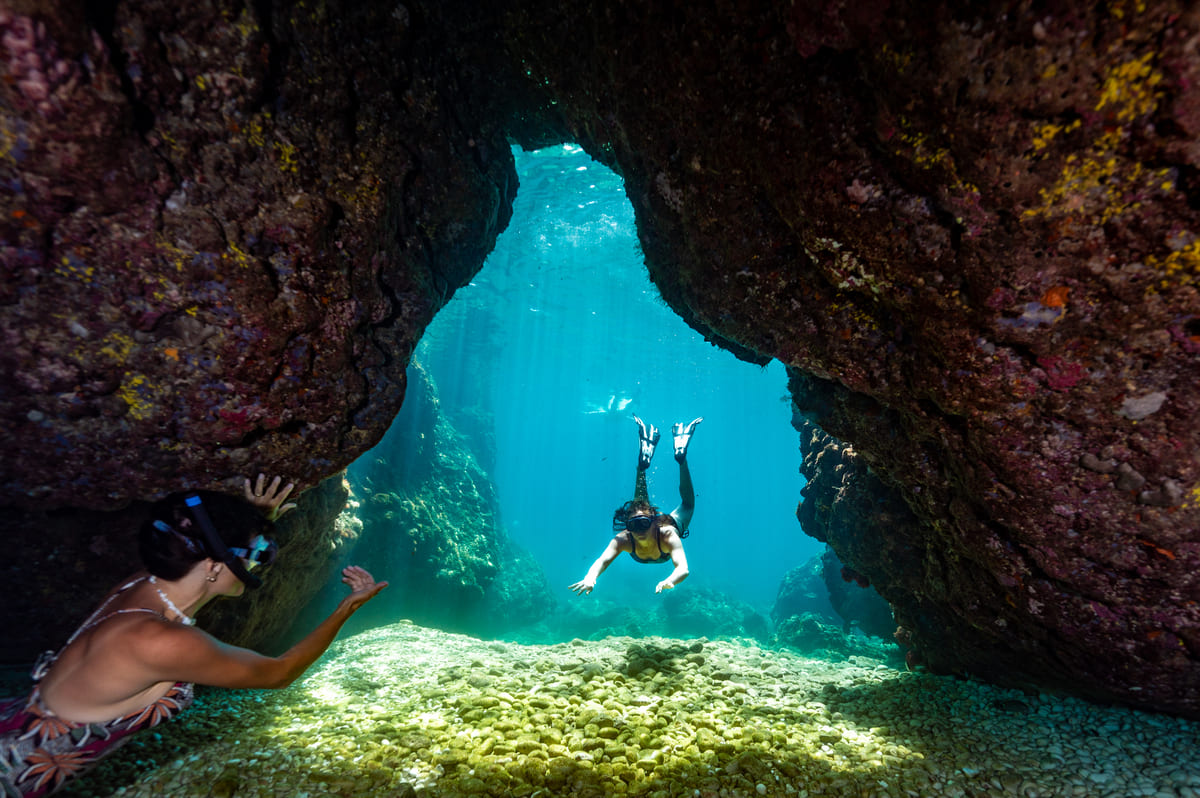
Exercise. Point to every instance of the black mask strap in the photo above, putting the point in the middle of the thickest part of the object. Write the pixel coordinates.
(217, 546)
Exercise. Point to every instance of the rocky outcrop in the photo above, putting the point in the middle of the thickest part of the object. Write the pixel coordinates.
(224, 230)
(803, 590)
(814, 636)
(856, 602)
(427, 514)
(711, 613)
(831, 592)
(691, 612)
(970, 230)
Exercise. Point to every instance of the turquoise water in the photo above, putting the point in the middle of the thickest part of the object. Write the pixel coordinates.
(559, 340)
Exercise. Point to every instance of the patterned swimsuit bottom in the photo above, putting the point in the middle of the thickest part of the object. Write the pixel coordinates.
(40, 751)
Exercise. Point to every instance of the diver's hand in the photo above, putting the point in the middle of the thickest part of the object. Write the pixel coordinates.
(665, 584)
(583, 587)
(362, 585)
(269, 498)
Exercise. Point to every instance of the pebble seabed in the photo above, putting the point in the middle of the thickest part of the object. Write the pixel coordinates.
(409, 711)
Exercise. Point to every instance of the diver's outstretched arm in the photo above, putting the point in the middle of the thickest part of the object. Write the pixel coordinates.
(681, 569)
(179, 653)
(585, 585)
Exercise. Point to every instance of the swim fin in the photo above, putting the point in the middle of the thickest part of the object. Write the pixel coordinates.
(683, 436)
(648, 435)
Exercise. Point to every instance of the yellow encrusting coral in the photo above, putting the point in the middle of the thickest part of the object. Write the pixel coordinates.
(138, 393)
(929, 155)
(239, 257)
(1180, 267)
(117, 345)
(1100, 184)
(1131, 89)
(1122, 8)
(1051, 130)
(289, 156)
(73, 268)
(1193, 498)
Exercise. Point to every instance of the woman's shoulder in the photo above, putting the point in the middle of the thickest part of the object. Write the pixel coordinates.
(669, 533)
(158, 642)
(134, 627)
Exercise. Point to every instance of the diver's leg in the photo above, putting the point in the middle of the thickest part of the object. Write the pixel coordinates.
(687, 498)
(687, 495)
(640, 492)
(647, 440)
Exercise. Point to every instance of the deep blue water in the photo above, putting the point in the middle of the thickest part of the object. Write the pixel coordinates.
(574, 340)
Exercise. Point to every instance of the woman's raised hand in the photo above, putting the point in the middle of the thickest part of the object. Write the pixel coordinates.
(269, 498)
(363, 586)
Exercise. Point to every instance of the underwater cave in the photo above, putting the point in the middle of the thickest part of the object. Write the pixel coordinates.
(538, 368)
(966, 234)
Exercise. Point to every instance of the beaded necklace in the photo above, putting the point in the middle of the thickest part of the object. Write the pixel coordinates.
(186, 620)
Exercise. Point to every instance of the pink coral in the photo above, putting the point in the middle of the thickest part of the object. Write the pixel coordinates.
(34, 64)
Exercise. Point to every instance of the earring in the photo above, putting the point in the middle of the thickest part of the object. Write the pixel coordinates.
(211, 578)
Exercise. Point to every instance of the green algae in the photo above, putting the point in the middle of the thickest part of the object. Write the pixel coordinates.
(405, 710)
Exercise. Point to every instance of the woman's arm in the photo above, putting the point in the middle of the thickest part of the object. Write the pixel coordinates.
(605, 559)
(185, 654)
(679, 559)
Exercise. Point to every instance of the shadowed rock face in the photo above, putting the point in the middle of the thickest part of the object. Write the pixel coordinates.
(969, 230)
(224, 230)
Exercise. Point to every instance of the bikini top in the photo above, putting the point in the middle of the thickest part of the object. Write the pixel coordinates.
(662, 555)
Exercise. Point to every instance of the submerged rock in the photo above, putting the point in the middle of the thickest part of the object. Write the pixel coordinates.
(429, 520)
(832, 593)
(699, 612)
(803, 590)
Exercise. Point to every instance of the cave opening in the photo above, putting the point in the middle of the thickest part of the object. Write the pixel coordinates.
(546, 356)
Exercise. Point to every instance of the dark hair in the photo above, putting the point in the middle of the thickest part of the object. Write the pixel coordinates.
(627, 509)
(622, 513)
(171, 542)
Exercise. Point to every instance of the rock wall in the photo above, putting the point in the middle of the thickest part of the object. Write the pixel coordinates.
(225, 226)
(970, 229)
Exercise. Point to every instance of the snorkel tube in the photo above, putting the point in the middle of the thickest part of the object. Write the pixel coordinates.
(217, 546)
